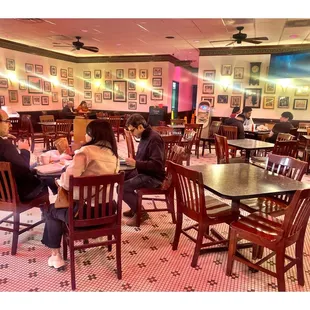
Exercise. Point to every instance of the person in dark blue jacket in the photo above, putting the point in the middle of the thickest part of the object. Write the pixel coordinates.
(149, 164)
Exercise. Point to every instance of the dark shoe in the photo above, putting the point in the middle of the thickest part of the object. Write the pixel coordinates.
(129, 213)
(133, 220)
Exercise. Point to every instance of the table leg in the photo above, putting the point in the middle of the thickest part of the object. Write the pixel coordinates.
(247, 155)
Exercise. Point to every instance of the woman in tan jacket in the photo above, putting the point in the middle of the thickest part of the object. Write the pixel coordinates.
(98, 156)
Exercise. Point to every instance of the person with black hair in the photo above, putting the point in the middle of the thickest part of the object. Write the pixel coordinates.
(97, 157)
(284, 126)
(149, 164)
(236, 111)
(82, 108)
(248, 123)
(237, 122)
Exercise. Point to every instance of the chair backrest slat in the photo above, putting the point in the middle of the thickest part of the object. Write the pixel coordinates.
(230, 132)
(129, 143)
(284, 137)
(169, 143)
(8, 190)
(221, 149)
(286, 148)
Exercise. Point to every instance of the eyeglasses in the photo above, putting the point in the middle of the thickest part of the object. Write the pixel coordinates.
(5, 121)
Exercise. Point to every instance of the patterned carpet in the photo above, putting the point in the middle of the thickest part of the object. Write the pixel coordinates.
(148, 262)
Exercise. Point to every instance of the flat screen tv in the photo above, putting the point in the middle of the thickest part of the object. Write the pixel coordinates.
(289, 65)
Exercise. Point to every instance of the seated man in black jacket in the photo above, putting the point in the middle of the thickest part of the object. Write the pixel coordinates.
(238, 122)
(149, 164)
(68, 111)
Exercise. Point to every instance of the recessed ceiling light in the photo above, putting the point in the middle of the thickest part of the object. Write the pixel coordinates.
(169, 37)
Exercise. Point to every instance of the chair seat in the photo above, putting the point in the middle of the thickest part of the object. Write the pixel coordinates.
(217, 208)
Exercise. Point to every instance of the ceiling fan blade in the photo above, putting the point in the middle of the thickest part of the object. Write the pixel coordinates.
(91, 48)
(221, 41)
(251, 41)
(230, 43)
(258, 38)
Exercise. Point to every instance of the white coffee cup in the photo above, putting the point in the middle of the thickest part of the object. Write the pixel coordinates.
(45, 159)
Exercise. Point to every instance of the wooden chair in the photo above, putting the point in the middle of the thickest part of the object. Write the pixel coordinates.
(63, 129)
(276, 235)
(163, 130)
(170, 142)
(197, 128)
(166, 189)
(187, 142)
(130, 145)
(214, 129)
(285, 137)
(14, 128)
(204, 210)
(177, 121)
(230, 132)
(303, 125)
(93, 218)
(115, 122)
(9, 202)
(286, 148)
(162, 123)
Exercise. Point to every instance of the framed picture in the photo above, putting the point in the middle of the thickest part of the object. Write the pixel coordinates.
(70, 72)
(71, 100)
(268, 102)
(107, 95)
(108, 74)
(34, 85)
(87, 74)
(28, 68)
(238, 73)
(237, 88)
(119, 73)
(63, 73)
(36, 100)
(53, 70)
(38, 69)
(4, 83)
(208, 88)
(71, 92)
(132, 96)
(64, 102)
(97, 74)
(54, 97)
(87, 94)
(108, 84)
(45, 100)
(142, 99)
(222, 99)
(10, 64)
(132, 105)
(210, 100)
(209, 75)
(157, 71)
(64, 82)
(300, 104)
(13, 96)
(252, 97)
(132, 73)
(26, 100)
(270, 88)
(157, 82)
(64, 92)
(235, 101)
(283, 102)
(71, 82)
(226, 70)
(131, 85)
(119, 91)
(143, 74)
(2, 100)
(302, 91)
(87, 84)
(47, 86)
(157, 94)
(98, 97)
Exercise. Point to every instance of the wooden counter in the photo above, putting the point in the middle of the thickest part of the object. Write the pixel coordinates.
(79, 129)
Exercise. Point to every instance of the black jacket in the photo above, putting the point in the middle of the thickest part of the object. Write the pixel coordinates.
(236, 123)
(150, 157)
(66, 113)
(283, 127)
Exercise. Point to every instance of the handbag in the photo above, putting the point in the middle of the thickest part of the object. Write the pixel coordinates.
(62, 199)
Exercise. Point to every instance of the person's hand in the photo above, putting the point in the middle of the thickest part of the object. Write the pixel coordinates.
(130, 162)
(23, 145)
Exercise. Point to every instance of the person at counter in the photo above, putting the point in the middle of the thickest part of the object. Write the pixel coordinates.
(82, 108)
(68, 111)
(236, 111)
(237, 122)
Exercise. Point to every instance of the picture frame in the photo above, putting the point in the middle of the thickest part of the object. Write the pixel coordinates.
(132, 105)
(45, 100)
(252, 97)
(13, 96)
(300, 104)
(302, 91)
(235, 101)
(97, 74)
(4, 83)
(222, 99)
(47, 86)
(270, 88)
(2, 101)
(108, 74)
(237, 88)
(238, 73)
(119, 73)
(71, 82)
(10, 64)
(142, 99)
(36, 100)
(64, 102)
(132, 96)
(38, 69)
(132, 73)
(208, 88)
(143, 74)
(283, 102)
(108, 84)
(53, 70)
(157, 82)
(28, 68)
(87, 84)
(209, 75)
(268, 102)
(26, 100)
(87, 74)
(64, 82)
(98, 97)
(157, 71)
(157, 94)
(226, 70)
(64, 92)
(34, 85)
(71, 92)
(70, 72)
(63, 73)
(71, 100)
(131, 85)
(54, 97)
(208, 99)
(87, 94)
(119, 91)
(107, 95)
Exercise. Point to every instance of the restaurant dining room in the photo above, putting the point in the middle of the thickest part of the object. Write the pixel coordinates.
(88, 103)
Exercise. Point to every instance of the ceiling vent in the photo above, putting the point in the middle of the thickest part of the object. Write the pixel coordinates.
(31, 20)
(297, 23)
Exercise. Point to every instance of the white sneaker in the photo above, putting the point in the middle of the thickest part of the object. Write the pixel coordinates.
(56, 261)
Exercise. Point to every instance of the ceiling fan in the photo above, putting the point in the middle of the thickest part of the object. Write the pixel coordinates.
(77, 45)
(242, 37)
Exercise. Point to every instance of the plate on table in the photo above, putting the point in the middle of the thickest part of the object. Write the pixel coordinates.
(49, 169)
